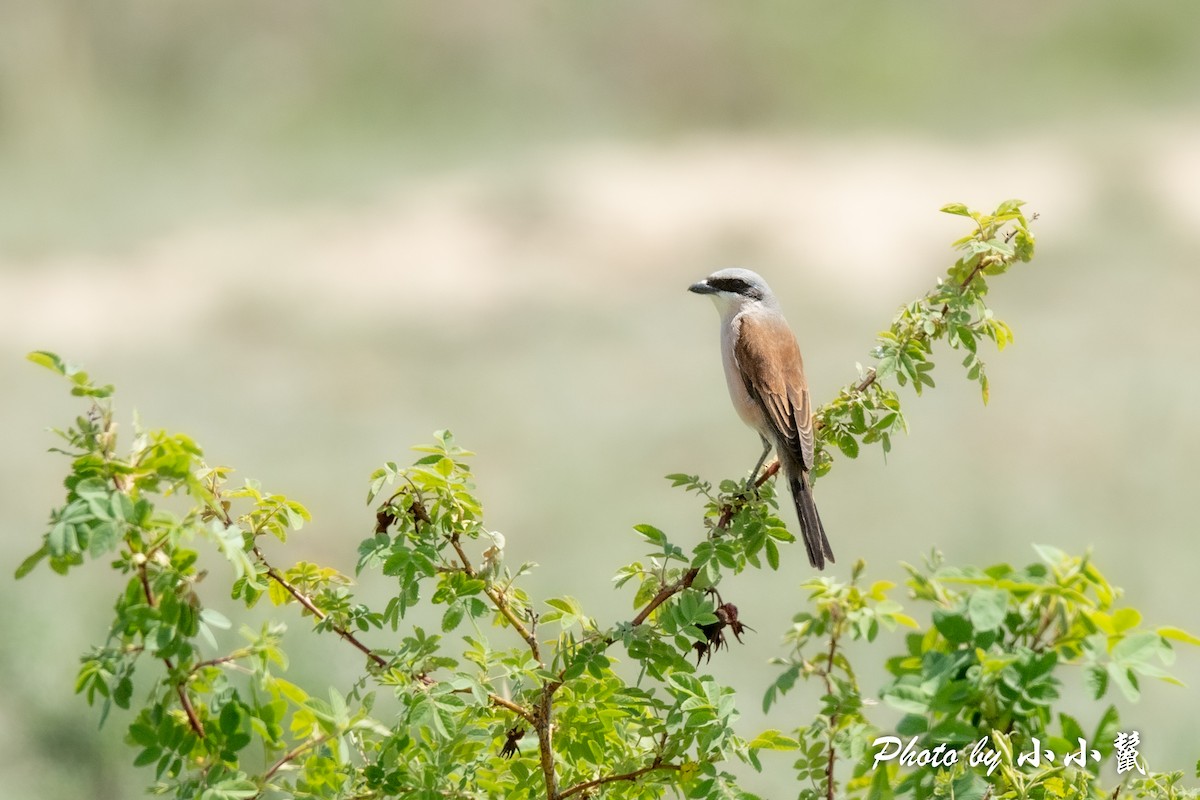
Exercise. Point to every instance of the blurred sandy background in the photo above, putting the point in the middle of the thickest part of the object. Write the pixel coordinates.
(310, 234)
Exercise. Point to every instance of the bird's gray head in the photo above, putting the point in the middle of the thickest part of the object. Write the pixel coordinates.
(734, 289)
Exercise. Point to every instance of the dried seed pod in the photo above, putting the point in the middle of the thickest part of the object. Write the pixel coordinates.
(514, 735)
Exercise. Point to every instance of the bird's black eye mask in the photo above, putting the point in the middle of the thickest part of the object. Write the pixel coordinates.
(735, 286)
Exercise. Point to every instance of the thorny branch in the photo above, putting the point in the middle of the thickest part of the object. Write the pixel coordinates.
(499, 601)
(119, 483)
(686, 580)
(221, 510)
(180, 688)
(216, 662)
(293, 754)
(308, 604)
(348, 636)
(627, 776)
(542, 718)
(657, 764)
(826, 676)
(871, 374)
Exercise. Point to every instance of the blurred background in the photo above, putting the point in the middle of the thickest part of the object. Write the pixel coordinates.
(309, 234)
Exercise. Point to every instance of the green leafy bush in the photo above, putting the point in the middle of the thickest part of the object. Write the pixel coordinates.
(528, 702)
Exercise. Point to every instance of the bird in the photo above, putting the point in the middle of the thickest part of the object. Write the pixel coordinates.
(765, 376)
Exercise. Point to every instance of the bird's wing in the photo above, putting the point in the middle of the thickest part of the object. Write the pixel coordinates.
(769, 360)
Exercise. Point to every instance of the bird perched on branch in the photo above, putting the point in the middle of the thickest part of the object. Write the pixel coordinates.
(765, 375)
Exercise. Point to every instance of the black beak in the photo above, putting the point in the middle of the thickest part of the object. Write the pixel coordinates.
(702, 287)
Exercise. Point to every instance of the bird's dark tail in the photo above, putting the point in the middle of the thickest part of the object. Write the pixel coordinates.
(815, 543)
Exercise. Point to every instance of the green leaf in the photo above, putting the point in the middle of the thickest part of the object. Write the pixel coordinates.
(881, 786)
(772, 551)
(986, 608)
(567, 605)
(32, 561)
(956, 208)
(954, 626)
(1138, 648)
(848, 445)
(1126, 619)
(1178, 634)
(1097, 680)
(680, 479)
(50, 361)
(231, 790)
(970, 786)
(216, 619)
(1051, 555)
(907, 698)
(955, 732)
(1124, 680)
(147, 756)
(453, 616)
(1106, 729)
(1071, 729)
(1009, 207)
(652, 534)
(781, 686)
(773, 740)
(229, 719)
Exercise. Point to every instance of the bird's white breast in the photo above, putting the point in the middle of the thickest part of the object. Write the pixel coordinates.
(746, 408)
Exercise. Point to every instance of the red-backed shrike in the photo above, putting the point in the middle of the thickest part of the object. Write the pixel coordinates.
(765, 375)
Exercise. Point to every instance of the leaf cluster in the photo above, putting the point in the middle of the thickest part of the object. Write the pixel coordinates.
(519, 697)
(984, 674)
(869, 412)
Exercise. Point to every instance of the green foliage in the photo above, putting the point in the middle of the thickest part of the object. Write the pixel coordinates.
(983, 676)
(532, 700)
(866, 411)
